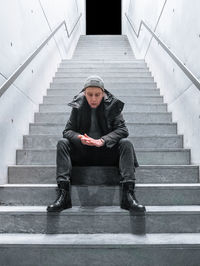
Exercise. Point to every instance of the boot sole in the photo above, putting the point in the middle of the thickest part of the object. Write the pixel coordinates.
(59, 210)
(133, 210)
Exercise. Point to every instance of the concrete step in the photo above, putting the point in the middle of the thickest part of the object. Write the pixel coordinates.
(98, 42)
(126, 99)
(130, 117)
(108, 51)
(102, 51)
(91, 43)
(82, 44)
(105, 64)
(124, 89)
(147, 194)
(101, 37)
(106, 79)
(127, 108)
(101, 71)
(103, 75)
(101, 66)
(115, 45)
(134, 61)
(102, 47)
(67, 90)
(101, 42)
(104, 175)
(116, 58)
(94, 220)
(104, 249)
(159, 142)
(105, 57)
(135, 129)
(96, 39)
(145, 156)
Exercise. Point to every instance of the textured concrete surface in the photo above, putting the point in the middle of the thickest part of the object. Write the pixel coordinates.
(135, 129)
(127, 108)
(134, 89)
(157, 219)
(128, 99)
(145, 156)
(95, 175)
(98, 249)
(148, 194)
(158, 142)
(130, 117)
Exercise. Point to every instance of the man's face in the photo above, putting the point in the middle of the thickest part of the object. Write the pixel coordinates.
(94, 96)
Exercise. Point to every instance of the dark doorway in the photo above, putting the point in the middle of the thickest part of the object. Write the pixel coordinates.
(103, 17)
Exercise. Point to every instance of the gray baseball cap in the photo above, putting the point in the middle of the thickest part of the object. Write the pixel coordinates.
(94, 81)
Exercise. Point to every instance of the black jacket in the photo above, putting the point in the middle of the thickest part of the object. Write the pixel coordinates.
(109, 116)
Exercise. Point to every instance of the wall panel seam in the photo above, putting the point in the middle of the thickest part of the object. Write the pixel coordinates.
(156, 27)
(49, 27)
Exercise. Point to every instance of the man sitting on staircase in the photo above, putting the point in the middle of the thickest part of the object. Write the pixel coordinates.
(96, 134)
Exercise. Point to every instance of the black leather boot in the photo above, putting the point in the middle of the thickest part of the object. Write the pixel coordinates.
(129, 201)
(64, 199)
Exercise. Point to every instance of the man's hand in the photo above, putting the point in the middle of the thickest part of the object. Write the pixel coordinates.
(86, 140)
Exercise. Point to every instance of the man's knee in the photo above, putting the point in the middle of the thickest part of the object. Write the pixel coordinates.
(63, 143)
(125, 143)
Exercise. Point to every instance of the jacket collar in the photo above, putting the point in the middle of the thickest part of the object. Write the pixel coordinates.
(109, 101)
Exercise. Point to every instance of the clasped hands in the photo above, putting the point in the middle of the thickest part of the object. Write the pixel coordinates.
(86, 140)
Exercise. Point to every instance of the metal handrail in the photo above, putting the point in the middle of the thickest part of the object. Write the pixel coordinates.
(19, 70)
(188, 73)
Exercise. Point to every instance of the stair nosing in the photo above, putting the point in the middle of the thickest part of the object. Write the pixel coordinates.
(107, 240)
(102, 210)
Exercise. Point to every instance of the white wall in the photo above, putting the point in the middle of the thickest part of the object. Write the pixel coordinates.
(23, 26)
(177, 24)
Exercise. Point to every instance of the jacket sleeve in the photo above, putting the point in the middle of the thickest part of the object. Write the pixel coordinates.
(70, 131)
(119, 131)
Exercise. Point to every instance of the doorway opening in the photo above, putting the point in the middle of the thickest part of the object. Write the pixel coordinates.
(103, 18)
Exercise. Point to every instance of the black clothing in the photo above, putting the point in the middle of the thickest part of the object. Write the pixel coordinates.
(94, 131)
(111, 121)
(68, 154)
(117, 150)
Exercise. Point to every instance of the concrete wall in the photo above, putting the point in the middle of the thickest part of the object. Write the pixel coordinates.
(177, 24)
(23, 26)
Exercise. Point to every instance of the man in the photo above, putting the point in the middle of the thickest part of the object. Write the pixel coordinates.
(95, 134)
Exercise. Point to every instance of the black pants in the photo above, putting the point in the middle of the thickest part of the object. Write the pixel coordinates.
(121, 155)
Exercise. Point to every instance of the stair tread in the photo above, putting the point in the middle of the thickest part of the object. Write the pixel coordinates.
(130, 136)
(93, 210)
(136, 149)
(124, 113)
(102, 240)
(129, 123)
(146, 185)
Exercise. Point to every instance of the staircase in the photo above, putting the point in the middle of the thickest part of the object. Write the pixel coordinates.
(96, 231)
